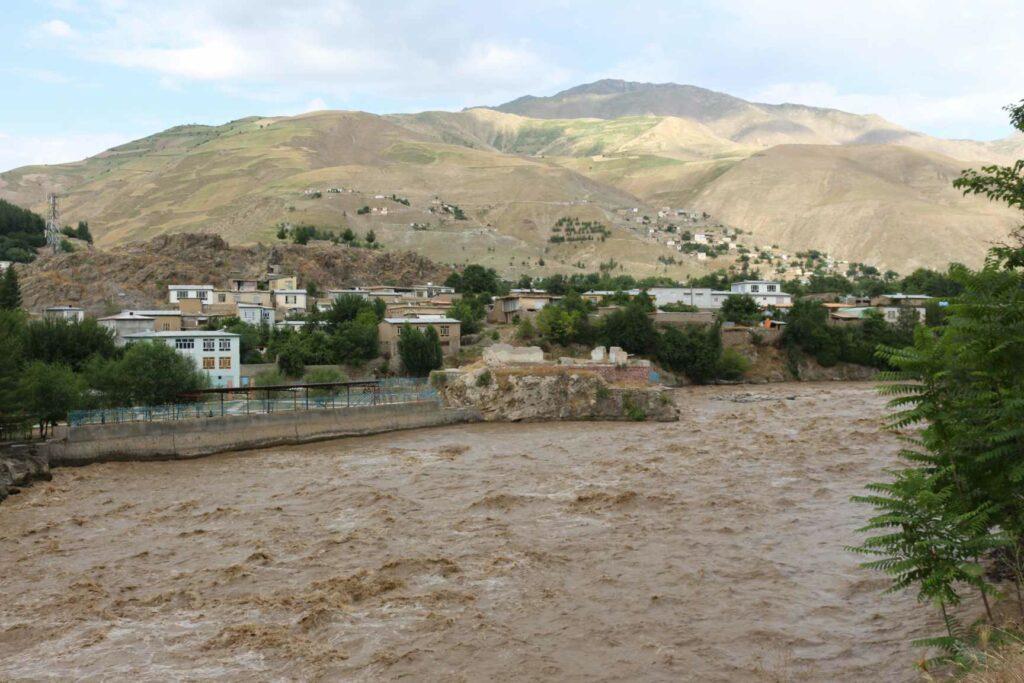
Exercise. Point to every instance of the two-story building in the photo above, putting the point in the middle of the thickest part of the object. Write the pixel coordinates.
(216, 353)
(764, 292)
(290, 301)
(389, 332)
(178, 292)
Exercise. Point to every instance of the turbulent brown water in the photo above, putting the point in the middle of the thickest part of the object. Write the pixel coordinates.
(710, 549)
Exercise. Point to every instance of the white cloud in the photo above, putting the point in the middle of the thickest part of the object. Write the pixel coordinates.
(22, 150)
(316, 104)
(57, 28)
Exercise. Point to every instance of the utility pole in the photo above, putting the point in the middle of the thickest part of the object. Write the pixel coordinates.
(53, 224)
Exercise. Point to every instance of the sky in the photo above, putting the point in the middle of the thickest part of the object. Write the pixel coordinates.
(80, 76)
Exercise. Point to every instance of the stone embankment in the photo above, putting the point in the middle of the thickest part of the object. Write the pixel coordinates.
(20, 467)
(510, 394)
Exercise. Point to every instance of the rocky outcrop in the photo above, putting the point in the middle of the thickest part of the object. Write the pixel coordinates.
(20, 468)
(136, 275)
(511, 395)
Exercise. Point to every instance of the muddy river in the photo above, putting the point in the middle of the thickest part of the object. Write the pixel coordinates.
(710, 549)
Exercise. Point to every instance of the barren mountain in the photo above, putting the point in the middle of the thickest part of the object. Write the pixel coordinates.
(858, 186)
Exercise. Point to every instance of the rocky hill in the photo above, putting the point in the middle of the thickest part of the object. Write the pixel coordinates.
(136, 275)
(860, 187)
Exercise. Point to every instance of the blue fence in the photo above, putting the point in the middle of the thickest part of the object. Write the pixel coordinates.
(267, 400)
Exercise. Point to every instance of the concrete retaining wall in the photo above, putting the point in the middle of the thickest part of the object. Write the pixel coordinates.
(193, 438)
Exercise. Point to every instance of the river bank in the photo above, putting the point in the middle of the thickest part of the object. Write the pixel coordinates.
(709, 548)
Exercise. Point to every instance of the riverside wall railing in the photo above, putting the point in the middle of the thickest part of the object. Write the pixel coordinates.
(209, 403)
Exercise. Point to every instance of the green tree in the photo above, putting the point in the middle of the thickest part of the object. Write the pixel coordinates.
(82, 232)
(420, 351)
(475, 279)
(957, 495)
(470, 312)
(371, 237)
(291, 357)
(742, 310)
(49, 392)
(149, 373)
(630, 328)
(10, 290)
(67, 342)
(693, 350)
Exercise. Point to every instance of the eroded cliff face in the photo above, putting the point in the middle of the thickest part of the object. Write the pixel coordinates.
(508, 395)
(21, 467)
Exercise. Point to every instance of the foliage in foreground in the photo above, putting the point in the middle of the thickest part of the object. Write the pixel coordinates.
(955, 506)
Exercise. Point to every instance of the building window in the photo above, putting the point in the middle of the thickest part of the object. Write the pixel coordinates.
(755, 288)
(771, 288)
(224, 344)
(202, 294)
(184, 343)
(225, 363)
(289, 298)
(208, 362)
(444, 330)
(208, 344)
(222, 297)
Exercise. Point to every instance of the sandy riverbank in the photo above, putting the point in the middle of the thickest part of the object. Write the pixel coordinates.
(707, 549)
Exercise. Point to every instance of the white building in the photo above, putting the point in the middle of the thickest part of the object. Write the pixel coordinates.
(703, 298)
(202, 292)
(216, 353)
(764, 292)
(4, 265)
(254, 314)
(70, 313)
(127, 322)
(290, 300)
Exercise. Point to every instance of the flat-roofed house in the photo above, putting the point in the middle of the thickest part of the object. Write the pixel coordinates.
(164, 320)
(254, 314)
(290, 300)
(215, 353)
(519, 304)
(764, 292)
(127, 322)
(72, 314)
(389, 331)
(178, 292)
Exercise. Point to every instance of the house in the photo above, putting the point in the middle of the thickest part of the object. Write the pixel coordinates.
(255, 314)
(293, 325)
(238, 284)
(764, 292)
(70, 313)
(290, 300)
(178, 292)
(127, 322)
(416, 307)
(4, 265)
(519, 304)
(164, 320)
(258, 298)
(216, 353)
(389, 331)
(277, 281)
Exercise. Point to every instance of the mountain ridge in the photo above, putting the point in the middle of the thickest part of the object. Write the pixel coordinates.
(798, 176)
